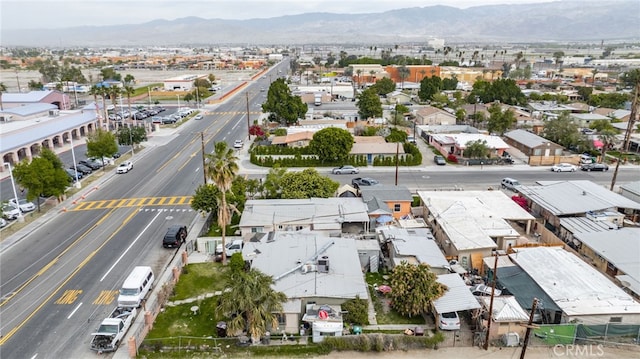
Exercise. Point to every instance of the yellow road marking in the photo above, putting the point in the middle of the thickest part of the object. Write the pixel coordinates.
(106, 297)
(69, 296)
(132, 202)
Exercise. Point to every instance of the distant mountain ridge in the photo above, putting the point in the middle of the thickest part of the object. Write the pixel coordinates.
(560, 21)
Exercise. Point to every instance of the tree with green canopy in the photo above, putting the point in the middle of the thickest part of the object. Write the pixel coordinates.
(331, 144)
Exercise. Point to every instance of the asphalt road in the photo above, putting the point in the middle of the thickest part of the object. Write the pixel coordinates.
(59, 281)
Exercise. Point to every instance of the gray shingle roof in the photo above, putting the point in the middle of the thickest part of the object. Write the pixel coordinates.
(531, 140)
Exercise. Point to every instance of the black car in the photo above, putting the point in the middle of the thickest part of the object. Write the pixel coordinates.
(175, 236)
(595, 167)
(116, 155)
(91, 164)
(169, 120)
(82, 169)
(72, 173)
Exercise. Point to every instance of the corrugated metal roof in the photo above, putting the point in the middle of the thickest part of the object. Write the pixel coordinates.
(575, 197)
(632, 187)
(580, 290)
(418, 243)
(620, 247)
(31, 109)
(506, 309)
(30, 131)
(457, 298)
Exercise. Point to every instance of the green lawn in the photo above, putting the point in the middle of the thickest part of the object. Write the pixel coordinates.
(199, 278)
(384, 315)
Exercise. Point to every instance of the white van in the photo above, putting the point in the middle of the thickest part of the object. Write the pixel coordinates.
(136, 287)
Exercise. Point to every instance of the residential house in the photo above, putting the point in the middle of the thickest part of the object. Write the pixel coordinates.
(507, 316)
(370, 255)
(539, 150)
(429, 115)
(387, 200)
(414, 246)
(457, 298)
(373, 147)
(631, 191)
(455, 144)
(309, 268)
(469, 225)
(296, 139)
(585, 119)
(330, 216)
(582, 294)
(554, 200)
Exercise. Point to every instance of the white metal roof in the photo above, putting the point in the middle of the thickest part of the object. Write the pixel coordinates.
(573, 197)
(506, 309)
(457, 298)
(283, 256)
(576, 288)
(420, 244)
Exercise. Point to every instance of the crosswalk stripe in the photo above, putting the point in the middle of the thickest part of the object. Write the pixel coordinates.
(132, 202)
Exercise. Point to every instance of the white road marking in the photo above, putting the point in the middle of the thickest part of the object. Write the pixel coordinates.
(73, 312)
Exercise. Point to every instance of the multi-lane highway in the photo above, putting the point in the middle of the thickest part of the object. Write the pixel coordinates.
(60, 280)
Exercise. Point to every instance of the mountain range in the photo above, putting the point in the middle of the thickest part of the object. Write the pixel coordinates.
(561, 21)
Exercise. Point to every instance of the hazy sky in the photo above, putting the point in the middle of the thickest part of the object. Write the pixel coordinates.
(26, 14)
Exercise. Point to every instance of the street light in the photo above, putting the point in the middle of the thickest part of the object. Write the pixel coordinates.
(15, 194)
(73, 156)
(178, 102)
(130, 127)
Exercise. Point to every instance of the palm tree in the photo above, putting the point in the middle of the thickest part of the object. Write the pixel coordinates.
(222, 168)
(253, 301)
(607, 137)
(95, 91)
(128, 90)
(359, 71)
(3, 89)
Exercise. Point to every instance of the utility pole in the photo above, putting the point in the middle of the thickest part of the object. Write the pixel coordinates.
(204, 163)
(627, 135)
(248, 121)
(397, 154)
(493, 290)
(529, 326)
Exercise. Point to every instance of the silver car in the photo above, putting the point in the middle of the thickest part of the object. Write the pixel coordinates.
(563, 167)
(345, 169)
(23, 204)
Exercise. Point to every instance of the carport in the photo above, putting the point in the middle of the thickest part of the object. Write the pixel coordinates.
(457, 298)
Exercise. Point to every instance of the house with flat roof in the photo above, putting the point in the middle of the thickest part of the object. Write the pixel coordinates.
(414, 246)
(552, 200)
(310, 268)
(507, 316)
(330, 216)
(583, 294)
(469, 225)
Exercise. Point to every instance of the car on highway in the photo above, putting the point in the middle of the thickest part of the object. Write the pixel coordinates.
(563, 167)
(197, 117)
(237, 144)
(449, 321)
(24, 205)
(363, 181)
(91, 164)
(124, 167)
(345, 169)
(10, 211)
(594, 167)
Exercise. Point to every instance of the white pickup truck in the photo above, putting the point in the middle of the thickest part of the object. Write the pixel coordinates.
(112, 330)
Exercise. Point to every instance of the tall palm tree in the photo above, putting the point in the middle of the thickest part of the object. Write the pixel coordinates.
(608, 138)
(253, 300)
(222, 168)
(95, 91)
(128, 90)
(3, 89)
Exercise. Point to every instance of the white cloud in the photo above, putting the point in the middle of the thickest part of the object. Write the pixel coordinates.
(20, 14)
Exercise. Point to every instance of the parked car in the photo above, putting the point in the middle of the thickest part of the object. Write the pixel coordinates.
(73, 174)
(345, 169)
(363, 181)
(124, 167)
(563, 167)
(156, 119)
(484, 290)
(449, 321)
(594, 167)
(175, 236)
(23, 205)
(105, 161)
(3, 222)
(91, 164)
(116, 155)
(169, 120)
(439, 160)
(10, 211)
(85, 170)
(238, 144)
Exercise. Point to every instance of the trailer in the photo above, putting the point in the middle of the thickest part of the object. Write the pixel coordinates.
(112, 330)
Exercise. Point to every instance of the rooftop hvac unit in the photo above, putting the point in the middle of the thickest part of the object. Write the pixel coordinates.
(323, 264)
(309, 268)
